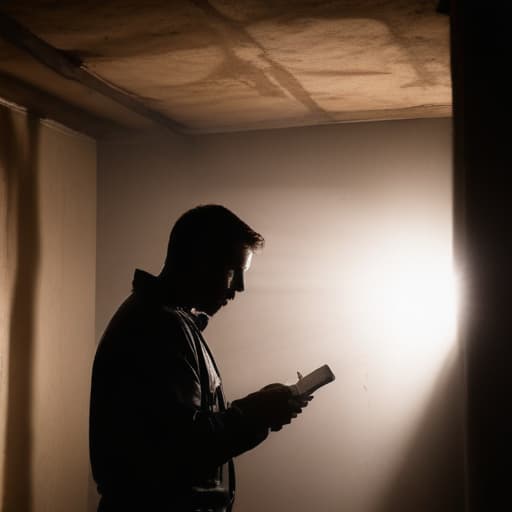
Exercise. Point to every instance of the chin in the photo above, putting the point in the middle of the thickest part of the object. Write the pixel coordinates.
(212, 307)
(210, 310)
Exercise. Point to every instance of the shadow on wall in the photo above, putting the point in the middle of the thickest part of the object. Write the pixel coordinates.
(431, 476)
(19, 159)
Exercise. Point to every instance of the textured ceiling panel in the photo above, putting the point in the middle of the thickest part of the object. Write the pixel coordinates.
(232, 65)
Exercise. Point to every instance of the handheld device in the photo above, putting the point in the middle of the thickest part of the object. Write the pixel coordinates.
(313, 381)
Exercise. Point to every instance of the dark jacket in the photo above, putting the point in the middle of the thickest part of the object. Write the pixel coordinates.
(160, 432)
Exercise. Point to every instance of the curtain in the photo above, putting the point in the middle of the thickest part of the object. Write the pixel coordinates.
(19, 259)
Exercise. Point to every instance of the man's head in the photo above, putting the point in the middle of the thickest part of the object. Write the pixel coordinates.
(209, 250)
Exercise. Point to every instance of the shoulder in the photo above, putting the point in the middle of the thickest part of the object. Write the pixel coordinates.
(139, 327)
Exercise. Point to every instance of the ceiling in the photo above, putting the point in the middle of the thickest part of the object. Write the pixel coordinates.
(223, 65)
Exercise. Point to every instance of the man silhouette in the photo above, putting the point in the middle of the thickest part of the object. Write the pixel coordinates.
(162, 437)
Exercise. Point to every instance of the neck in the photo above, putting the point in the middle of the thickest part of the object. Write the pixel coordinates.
(176, 291)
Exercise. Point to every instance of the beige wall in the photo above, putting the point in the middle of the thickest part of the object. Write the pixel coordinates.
(356, 273)
(47, 265)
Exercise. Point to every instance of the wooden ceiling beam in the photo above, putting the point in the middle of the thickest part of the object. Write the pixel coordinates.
(72, 68)
(46, 106)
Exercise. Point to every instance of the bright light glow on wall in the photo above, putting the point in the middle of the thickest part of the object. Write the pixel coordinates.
(408, 292)
(413, 299)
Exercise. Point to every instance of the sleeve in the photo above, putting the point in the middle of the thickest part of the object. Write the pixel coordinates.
(174, 436)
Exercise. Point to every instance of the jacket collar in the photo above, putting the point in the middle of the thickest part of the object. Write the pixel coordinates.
(150, 289)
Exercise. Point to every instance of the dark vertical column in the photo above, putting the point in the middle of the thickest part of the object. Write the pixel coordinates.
(20, 162)
(481, 57)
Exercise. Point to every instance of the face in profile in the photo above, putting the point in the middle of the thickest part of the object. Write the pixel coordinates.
(220, 281)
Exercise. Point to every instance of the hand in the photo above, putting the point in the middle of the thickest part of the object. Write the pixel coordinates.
(273, 406)
(270, 387)
(296, 404)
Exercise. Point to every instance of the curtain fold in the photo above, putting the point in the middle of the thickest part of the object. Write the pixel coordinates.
(19, 266)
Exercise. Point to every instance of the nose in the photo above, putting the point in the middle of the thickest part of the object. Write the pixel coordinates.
(238, 282)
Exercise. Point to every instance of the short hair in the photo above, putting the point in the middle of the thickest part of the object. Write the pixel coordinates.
(209, 227)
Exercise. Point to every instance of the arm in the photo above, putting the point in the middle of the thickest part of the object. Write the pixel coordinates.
(213, 438)
(146, 422)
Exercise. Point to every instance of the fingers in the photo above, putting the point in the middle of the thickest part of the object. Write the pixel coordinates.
(298, 403)
(294, 406)
(274, 406)
(305, 399)
(273, 386)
